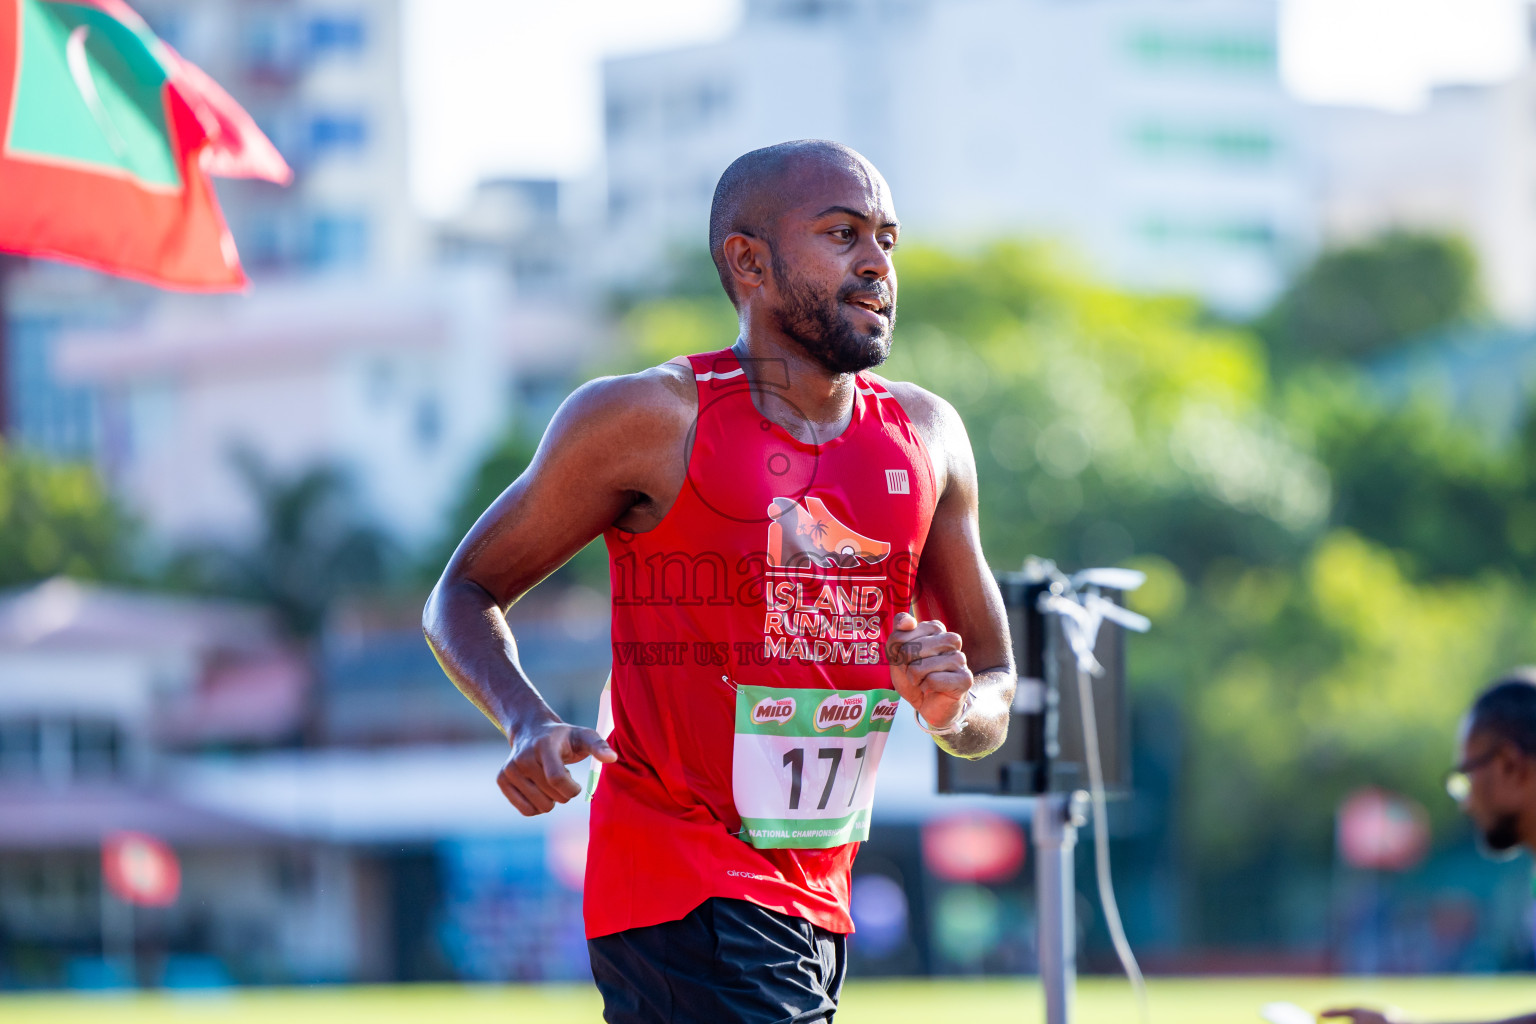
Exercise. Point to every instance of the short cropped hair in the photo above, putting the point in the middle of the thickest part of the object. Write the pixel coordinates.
(1507, 709)
(746, 199)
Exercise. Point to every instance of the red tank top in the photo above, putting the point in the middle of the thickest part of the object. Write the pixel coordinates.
(748, 636)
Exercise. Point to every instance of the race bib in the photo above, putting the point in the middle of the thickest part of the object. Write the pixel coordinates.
(803, 772)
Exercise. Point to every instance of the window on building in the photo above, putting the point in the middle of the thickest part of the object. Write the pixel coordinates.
(60, 748)
(1232, 144)
(429, 422)
(96, 749)
(617, 117)
(20, 748)
(713, 99)
(1208, 50)
(807, 10)
(327, 34)
(338, 240)
(381, 382)
(269, 46)
(337, 133)
(620, 202)
(1232, 233)
(47, 415)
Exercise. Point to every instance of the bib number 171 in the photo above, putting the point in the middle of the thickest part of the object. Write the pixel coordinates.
(805, 763)
(794, 760)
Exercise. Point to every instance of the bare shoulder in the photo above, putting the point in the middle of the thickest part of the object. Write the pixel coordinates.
(639, 406)
(940, 425)
(926, 409)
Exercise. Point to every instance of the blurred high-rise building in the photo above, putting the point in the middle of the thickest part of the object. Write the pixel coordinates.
(1465, 164)
(1152, 136)
(323, 81)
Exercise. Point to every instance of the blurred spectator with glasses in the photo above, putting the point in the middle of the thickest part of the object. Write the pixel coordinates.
(1495, 784)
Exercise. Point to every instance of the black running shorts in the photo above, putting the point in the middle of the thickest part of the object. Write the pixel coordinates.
(727, 961)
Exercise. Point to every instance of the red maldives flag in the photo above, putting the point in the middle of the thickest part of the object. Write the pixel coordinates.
(107, 138)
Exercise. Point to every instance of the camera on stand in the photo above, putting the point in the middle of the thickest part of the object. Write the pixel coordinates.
(1044, 752)
(1068, 748)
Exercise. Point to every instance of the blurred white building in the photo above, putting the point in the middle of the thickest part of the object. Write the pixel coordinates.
(323, 81)
(1466, 163)
(402, 384)
(1154, 136)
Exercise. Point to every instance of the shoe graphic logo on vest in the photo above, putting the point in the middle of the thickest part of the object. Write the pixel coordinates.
(770, 710)
(806, 534)
(840, 712)
(885, 711)
(896, 482)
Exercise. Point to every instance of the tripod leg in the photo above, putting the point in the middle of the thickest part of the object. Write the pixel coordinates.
(1055, 838)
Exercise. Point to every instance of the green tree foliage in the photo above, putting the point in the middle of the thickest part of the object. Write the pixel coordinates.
(1410, 477)
(311, 546)
(1361, 299)
(56, 518)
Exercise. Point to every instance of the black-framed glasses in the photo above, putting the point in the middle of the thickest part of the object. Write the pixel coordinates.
(1458, 781)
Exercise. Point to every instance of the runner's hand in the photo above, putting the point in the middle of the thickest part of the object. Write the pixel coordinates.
(534, 778)
(928, 669)
(1356, 1015)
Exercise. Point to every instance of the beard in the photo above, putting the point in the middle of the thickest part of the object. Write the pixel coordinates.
(1501, 839)
(819, 324)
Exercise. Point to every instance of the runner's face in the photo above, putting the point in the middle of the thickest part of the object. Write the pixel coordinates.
(833, 284)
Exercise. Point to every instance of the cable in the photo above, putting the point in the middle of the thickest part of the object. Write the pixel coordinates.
(1101, 845)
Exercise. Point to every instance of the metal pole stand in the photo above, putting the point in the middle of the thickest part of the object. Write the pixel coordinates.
(1056, 821)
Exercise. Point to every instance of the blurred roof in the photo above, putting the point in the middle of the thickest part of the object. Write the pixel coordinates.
(63, 614)
(397, 794)
(39, 818)
(282, 324)
(288, 323)
(260, 699)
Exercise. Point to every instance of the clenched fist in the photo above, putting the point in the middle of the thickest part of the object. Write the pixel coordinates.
(928, 669)
(534, 778)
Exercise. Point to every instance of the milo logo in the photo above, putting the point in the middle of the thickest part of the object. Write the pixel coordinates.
(770, 711)
(885, 711)
(840, 712)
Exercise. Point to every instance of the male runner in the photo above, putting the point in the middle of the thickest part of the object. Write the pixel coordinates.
(771, 511)
(1495, 783)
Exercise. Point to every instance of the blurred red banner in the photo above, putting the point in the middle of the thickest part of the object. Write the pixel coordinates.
(140, 869)
(973, 846)
(1382, 831)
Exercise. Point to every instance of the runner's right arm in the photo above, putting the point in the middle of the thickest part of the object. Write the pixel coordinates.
(612, 455)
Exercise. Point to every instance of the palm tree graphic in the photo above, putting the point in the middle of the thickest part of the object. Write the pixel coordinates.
(817, 530)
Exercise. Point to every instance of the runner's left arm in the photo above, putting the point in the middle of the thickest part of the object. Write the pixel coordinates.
(934, 663)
